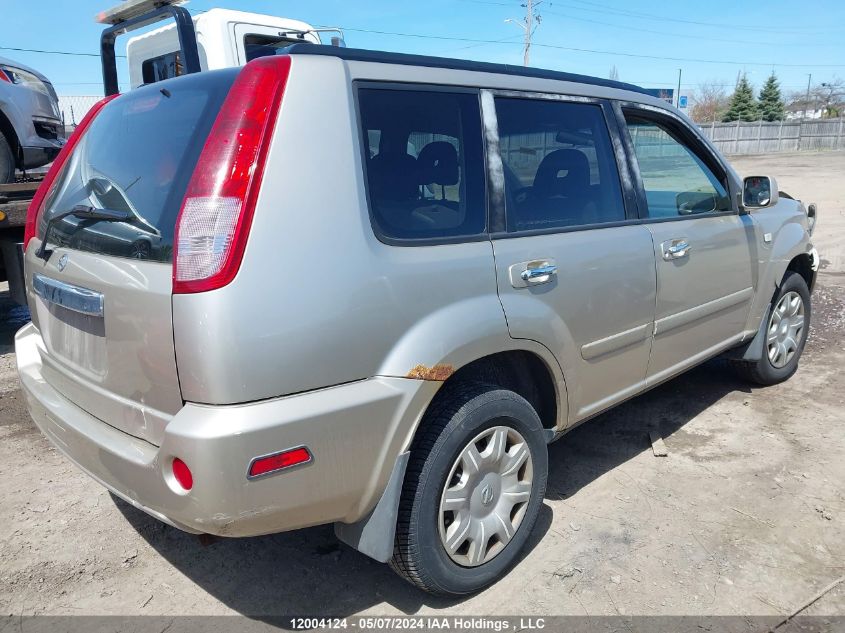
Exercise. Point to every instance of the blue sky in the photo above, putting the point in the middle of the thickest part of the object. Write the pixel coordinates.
(754, 36)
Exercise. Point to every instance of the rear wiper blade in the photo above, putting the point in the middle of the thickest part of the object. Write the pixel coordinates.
(84, 212)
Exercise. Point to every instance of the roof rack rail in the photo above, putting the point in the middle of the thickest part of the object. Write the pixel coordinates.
(384, 57)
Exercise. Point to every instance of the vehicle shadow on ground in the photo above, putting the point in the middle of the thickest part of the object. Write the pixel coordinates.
(308, 572)
(302, 573)
(611, 439)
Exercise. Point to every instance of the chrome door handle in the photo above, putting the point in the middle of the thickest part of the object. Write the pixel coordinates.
(675, 249)
(534, 274)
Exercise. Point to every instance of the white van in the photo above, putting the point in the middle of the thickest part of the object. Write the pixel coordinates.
(225, 38)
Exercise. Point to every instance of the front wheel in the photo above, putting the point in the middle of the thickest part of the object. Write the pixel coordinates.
(473, 489)
(785, 332)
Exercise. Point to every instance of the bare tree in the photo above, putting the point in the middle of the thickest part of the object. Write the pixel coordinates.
(826, 98)
(830, 97)
(709, 102)
(614, 73)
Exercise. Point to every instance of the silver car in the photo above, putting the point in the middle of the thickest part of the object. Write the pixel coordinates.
(379, 285)
(30, 122)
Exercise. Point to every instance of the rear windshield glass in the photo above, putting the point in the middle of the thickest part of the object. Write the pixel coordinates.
(136, 158)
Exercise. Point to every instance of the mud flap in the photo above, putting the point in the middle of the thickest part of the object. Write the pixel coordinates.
(373, 535)
(752, 351)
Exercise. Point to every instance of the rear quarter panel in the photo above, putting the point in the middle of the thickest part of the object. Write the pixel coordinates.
(319, 300)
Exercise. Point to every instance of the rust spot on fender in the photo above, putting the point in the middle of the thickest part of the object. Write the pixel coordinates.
(438, 372)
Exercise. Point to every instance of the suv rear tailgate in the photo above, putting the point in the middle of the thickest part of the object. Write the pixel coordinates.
(102, 300)
(119, 367)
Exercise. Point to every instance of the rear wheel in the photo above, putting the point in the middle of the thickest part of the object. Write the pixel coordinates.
(7, 161)
(473, 490)
(786, 333)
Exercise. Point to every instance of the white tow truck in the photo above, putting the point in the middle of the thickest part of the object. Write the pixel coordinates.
(218, 38)
(208, 40)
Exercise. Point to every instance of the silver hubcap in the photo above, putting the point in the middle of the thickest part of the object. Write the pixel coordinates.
(785, 329)
(486, 496)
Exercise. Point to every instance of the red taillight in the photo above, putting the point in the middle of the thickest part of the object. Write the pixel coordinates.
(4, 76)
(216, 214)
(36, 206)
(183, 474)
(279, 461)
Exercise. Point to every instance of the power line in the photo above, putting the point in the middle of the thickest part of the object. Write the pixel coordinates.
(689, 59)
(38, 50)
(605, 10)
(594, 51)
(625, 27)
(502, 41)
(661, 18)
(505, 40)
(669, 34)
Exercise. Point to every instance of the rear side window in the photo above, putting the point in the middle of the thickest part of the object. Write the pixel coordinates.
(560, 169)
(256, 45)
(676, 181)
(424, 163)
(162, 67)
(137, 156)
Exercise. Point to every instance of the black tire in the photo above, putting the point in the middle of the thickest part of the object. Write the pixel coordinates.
(457, 416)
(763, 372)
(7, 161)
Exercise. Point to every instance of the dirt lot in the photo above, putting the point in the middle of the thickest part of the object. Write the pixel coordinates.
(746, 515)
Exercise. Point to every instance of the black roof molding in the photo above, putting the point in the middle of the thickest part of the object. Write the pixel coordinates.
(384, 57)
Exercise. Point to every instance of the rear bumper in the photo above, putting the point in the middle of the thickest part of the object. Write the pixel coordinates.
(355, 432)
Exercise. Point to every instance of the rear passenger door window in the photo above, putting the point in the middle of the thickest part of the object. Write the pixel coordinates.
(676, 181)
(424, 163)
(559, 167)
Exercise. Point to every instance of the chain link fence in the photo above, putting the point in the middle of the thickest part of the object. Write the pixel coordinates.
(74, 107)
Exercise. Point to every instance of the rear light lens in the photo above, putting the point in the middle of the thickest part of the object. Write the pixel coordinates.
(47, 186)
(216, 214)
(182, 474)
(278, 461)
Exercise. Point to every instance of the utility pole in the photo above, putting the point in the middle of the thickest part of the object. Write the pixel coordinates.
(807, 102)
(678, 99)
(528, 24)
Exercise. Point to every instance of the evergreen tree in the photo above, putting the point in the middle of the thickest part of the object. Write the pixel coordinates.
(743, 105)
(771, 102)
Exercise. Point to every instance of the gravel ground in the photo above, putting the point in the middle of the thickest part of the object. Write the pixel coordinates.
(746, 515)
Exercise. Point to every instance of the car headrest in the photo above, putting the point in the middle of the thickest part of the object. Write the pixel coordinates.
(393, 177)
(438, 164)
(548, 181)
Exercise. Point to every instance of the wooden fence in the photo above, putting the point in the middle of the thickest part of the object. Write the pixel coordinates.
(778, 136)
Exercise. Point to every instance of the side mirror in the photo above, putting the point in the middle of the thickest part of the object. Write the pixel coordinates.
(759, 192)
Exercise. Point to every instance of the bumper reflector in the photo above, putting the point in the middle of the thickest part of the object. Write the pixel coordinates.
(183, 474)
(278, 461)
